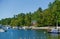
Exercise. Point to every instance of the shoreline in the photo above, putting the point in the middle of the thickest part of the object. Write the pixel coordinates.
(29, 27)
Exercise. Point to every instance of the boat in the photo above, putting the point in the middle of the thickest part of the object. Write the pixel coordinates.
(2, 30)
(54, 31)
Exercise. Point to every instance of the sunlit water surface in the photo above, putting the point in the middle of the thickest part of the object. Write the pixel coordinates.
(27, 34)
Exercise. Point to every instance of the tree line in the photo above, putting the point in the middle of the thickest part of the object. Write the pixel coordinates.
(47, 17)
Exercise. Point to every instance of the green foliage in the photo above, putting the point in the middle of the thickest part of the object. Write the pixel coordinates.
(49, 16)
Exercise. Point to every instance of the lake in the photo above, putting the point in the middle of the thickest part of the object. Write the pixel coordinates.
(27, 34)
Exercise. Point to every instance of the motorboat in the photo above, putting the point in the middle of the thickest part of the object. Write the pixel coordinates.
(2, 30)
(54, 30)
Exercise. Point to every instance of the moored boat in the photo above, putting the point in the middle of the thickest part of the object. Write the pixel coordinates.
(54, 30)
(2, 30)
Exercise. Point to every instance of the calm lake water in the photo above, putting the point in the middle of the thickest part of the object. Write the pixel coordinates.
(27, 34)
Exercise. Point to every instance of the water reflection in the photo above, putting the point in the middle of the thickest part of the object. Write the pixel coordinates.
(41, 34)
(53, 36)
(28, 34)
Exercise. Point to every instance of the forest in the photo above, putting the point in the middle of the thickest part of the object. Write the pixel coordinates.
(47, 17)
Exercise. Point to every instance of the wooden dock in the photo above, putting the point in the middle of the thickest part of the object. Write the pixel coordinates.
(44, 27)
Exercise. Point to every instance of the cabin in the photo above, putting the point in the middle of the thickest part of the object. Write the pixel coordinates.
(34, 23)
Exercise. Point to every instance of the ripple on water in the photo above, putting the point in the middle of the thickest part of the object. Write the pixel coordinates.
(27, 34)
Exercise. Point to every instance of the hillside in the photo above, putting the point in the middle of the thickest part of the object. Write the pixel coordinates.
(49, 16)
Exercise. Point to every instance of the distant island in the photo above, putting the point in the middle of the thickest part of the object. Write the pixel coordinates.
(39, 18)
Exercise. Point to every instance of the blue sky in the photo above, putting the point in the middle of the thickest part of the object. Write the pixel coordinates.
(8, 8)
